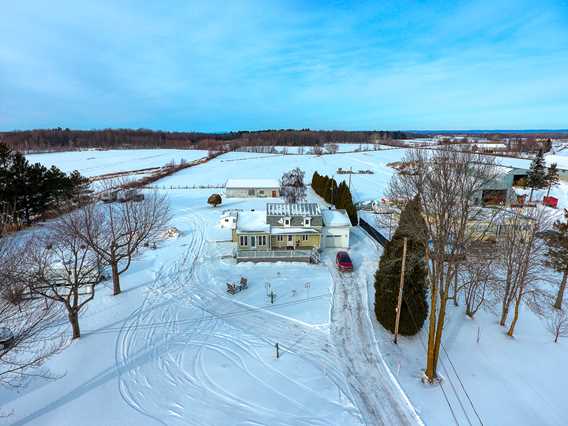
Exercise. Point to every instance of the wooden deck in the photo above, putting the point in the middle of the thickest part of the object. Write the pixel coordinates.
(307, 256)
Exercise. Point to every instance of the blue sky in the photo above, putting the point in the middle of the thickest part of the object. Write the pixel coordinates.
(227, 65)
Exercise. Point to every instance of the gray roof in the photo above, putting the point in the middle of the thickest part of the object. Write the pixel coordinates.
(286, 209)
(501, 182)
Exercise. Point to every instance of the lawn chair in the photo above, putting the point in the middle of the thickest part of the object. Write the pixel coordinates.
(232, 288)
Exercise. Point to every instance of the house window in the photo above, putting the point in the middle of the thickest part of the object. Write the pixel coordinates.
(307, 221)
(305, 237)
(251, 191)
(289, 238)
(287, 221)
(279, 237)
(244, 240)
(261, 192)
(262, 240)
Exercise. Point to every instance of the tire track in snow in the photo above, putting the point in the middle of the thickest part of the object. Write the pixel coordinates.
(377, 392)
(182, 355)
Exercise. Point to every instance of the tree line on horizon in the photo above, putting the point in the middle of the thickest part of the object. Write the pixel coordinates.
(60, 139)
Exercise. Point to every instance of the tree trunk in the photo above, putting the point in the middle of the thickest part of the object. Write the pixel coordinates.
(74, 320)
(548, 192)
(440, 327)
(455, 287)
(560, 295)
(516, 315)
(430, 365)
(115, 279)
(504, 314)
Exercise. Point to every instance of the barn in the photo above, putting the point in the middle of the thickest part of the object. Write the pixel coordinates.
(252, 188)
(336, 229)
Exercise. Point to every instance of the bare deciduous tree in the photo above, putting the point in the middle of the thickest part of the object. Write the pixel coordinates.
(332, 148)
(521, 262)
(446, 182)
(292, 187)
(65, 269)
(29, 324)
(116, 231)
(476, 279)
(557, 323)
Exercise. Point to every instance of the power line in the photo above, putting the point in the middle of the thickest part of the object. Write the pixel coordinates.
(462, 385)
(426, 350)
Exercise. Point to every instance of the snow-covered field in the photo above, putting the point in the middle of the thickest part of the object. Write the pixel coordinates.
(95, 162)
(175, 349)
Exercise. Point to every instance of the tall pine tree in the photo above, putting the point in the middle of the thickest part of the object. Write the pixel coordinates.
(536, 178)
(414, 307)
(552, 177)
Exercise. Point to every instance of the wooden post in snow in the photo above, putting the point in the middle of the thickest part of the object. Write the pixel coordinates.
(400, 289)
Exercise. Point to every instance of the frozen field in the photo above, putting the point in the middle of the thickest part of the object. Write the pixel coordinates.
(175, 349)
(251, 165)
(94, 163)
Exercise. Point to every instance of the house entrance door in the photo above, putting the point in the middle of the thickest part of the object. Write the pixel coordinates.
(253, 241)
(290, 242)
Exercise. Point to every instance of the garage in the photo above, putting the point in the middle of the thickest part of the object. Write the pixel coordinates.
(336, 229)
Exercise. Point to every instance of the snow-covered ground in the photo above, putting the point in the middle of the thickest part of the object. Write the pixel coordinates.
(265, 166)
(95, 162)
(174, 348)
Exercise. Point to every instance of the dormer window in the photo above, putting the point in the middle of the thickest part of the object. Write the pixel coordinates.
(286, 221)
(307, 221)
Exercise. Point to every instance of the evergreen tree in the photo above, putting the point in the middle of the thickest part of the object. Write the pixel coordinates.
(557, 255)
(315, 182)
(536, 177)
(414, 309)
(333, 191)
(345, 201)
(28, 190)
(325, 190)
(552, 177)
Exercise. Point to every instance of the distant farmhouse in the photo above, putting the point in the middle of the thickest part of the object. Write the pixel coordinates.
(288, 232)
(499, 191)
(243, 188)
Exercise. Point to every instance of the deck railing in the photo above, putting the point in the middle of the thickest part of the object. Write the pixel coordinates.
(309, 255)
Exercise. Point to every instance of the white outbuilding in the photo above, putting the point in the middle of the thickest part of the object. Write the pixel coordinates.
(336, 229)
(257, 188)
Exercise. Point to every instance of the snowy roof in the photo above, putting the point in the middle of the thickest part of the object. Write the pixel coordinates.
(294, 230)
(252, 183)
(335, 218)
(286, 209)
(252, 221)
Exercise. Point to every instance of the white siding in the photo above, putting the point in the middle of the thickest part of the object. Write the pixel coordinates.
(335, 237)
(251, 192)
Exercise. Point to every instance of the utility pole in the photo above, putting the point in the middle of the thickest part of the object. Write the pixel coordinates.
(350, 173)
(401, 287)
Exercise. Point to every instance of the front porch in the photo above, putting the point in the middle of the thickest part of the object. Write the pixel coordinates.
(308, 256)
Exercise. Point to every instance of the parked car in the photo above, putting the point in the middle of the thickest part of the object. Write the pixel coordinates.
(343, 262)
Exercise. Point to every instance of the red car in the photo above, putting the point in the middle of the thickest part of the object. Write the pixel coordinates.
(343, 262)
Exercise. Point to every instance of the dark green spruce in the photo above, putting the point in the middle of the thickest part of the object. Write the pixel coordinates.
(387, 278)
